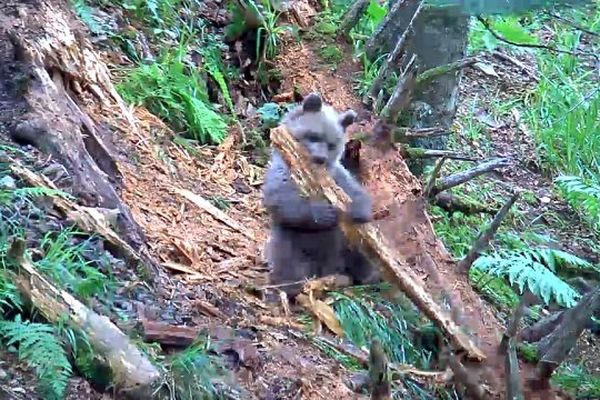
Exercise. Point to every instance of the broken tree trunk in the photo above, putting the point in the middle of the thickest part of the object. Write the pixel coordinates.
(554, 348)
(395, 268)
(484, 237)
(67, 96)
(464, 176)
(132, 373)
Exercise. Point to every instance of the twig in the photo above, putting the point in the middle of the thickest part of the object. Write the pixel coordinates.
(572, 23)
(433, 177)
(518, 63)
(418, 152)
(486, 235)
(495, 34)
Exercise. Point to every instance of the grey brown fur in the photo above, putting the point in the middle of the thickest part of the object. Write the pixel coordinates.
(306, 240)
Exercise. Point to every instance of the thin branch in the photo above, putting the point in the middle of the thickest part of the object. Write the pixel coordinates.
(501, 38)
(434, 174)
(486, 235)
(400, 98)
(464, 176)
(572, 23)
(418, 152)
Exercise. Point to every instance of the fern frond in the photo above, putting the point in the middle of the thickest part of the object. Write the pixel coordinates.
(534, 269)
(583, 196)
(40, 348)
(36, 191)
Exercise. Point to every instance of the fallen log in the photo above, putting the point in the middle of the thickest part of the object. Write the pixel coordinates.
(484, 237)
(451, 203)
(169, 335)
(352, 16)
(313, 181)
(133, 375)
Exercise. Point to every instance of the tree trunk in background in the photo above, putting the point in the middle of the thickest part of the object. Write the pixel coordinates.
(440, 37)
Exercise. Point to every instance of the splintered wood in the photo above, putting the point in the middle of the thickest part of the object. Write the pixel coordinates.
(316, 183)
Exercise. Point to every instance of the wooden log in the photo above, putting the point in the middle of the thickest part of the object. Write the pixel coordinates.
(484, 237)
(315, 182)
(400, 98)
(352, 16)
(542, 328)
(464, 176)
(169, 335)
(554, 348)
(132, 373)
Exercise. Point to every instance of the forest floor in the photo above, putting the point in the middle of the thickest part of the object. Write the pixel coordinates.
(216, 269)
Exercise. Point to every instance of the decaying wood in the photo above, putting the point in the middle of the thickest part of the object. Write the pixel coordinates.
(379, 377)
(554, 348)
(434, 174)
(352, 16)
(214, 211)
(316, 183)
(85, 217)
(66, 83)
(417, 152)
(513, 324)
(402, 94)
(132, 373)
(392, 60)
(451, 203)
(459, 178)
(484, 237)
(432, 73)
(514, 388)
(169, 335)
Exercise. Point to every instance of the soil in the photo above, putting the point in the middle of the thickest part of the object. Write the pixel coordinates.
(215, 271)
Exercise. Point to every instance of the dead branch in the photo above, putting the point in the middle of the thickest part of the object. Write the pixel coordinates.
(434, 174)
(572, 23)
(542, 328)
(432, 73)
(379, 380)
(400, 98)
(514, 388)
(313, 181)
(84, 217)
(132, 373)
(352, 16)
(395, 55)
(554, 348)
(422, 132)
(464, 176)
(451, 203)
(418, 152)
(518, 63)
(484, 237)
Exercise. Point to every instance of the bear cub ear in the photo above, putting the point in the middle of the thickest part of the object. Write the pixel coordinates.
(347, 118)
(312, 103)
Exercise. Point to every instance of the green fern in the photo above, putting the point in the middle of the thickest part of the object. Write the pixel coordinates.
(84, 12)
(211, 55)
(176, 93)
(535, 269)
(9, 293)
(40, 348)
(582, 196)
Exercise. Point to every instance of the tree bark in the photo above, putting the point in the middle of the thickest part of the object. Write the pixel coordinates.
(395, 268)
(132, 373)
(66, 86)
(352, 16)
